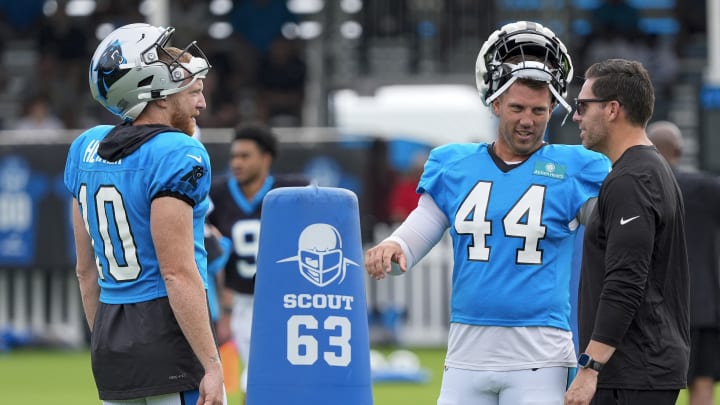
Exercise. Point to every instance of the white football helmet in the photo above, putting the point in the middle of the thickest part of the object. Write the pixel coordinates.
(126, 71)
(550, 61)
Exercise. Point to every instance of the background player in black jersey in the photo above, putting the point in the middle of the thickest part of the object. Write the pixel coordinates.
(237, 203)
(634, 284)
(701, 193)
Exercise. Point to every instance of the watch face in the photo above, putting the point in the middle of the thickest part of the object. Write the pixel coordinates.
(584, 360)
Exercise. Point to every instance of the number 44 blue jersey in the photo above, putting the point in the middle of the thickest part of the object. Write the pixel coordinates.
(513, 229)
(115, 199)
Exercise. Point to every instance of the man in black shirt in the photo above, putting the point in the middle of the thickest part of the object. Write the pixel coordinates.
(633, 313)
(701, 193)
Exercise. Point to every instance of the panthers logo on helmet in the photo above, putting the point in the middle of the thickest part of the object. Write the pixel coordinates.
(108, 68)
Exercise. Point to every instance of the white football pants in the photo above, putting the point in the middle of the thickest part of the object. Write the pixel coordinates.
(544, 386)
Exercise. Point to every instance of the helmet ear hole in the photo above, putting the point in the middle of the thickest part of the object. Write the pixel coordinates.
(145, 82)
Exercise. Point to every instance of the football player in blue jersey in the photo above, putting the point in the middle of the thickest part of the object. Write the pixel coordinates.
(140, 193)
(237, 205)
(513, 208)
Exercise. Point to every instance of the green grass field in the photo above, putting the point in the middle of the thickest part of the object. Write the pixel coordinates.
(64, 378)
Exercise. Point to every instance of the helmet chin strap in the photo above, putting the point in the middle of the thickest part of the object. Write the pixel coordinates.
(566, 106)
(500, 91)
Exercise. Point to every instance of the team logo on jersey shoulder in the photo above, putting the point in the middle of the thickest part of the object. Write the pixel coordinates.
(319, 256)
(550, 169)
(193, 175)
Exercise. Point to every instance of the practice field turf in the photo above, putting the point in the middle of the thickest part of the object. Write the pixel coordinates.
(64, 378)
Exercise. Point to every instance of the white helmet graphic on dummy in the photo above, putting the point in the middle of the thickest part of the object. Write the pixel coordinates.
(131, 67)
(536, 54)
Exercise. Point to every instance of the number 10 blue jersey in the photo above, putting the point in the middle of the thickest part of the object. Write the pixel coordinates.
(115, 199)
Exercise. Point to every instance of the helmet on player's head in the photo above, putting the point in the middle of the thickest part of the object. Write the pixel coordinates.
(133, 66)
(523, 49)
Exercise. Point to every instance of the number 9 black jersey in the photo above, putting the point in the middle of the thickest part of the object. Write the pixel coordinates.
(239, 219)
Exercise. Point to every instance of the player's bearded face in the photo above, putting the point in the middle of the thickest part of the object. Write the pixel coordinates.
(183, 122)
(524, 113)
(186, 105)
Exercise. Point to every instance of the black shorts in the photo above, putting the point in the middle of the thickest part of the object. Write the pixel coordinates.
(704, 353)
(611, 396)
(138, 350)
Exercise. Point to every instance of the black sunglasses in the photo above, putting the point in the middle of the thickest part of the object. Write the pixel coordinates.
(581, 103)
